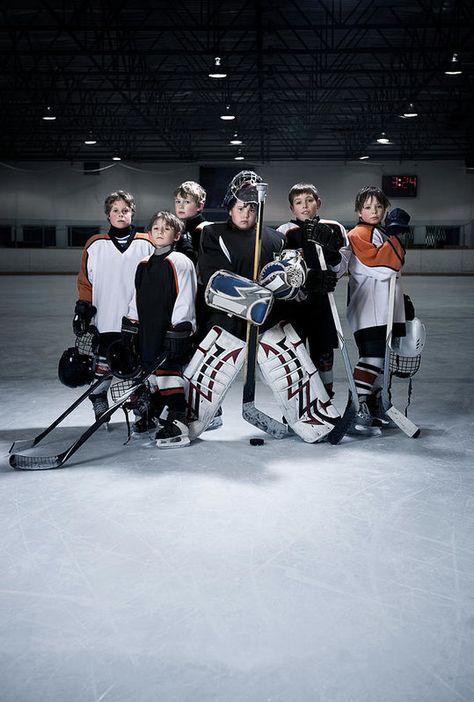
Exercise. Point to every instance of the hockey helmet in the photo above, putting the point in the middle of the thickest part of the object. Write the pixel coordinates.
(405, 356)
(122, 362)
(397, 221)
(242, 187)
(285, 275)
(75, 369)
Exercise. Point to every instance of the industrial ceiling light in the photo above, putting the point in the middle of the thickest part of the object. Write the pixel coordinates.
(217, 71)
(239, 156)
(90, 141)
(235, 141)
(454, 67)
(363, 158)
(383, 139)
(49, 116)
(227, 114)
(410, 111)
(116, 157)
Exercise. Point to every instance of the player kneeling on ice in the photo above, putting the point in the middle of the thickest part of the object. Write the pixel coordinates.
(161, 318)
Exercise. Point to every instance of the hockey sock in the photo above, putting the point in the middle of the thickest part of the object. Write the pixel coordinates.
(366, 372)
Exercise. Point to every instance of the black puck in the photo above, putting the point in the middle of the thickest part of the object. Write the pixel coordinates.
(256, 442)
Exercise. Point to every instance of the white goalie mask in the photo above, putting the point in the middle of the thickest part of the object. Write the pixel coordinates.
(242, 187)
(285, 275)
(405, 354)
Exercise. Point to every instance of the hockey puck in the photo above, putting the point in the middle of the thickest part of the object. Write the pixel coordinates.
(256, 442)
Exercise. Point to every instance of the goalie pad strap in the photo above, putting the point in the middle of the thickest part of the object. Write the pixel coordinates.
(287, 368)
(210, 373)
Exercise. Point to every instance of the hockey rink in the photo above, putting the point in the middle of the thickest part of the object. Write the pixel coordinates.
(223, 572)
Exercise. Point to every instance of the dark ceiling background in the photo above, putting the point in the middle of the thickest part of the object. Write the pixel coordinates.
(306, 79)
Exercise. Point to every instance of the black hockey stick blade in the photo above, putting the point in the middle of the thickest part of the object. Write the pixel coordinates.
(345, 422)
(263, 421)
(24, 444)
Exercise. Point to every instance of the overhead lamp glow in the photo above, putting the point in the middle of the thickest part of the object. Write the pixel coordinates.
(90, 141)
(410, 111)
(383, 139)
(363, 158)
(239, 158)
(49, 116)
(217, 71)
(227, 114)
(116, 158)
(454, 68)
(235, 141)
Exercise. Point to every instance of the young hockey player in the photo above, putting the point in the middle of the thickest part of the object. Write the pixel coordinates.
(161, 318)
(377, 255)
(311, 315)
(105, 282)
(189, 201)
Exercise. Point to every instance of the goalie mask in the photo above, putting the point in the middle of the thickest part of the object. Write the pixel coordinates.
(285, 275)
(405, 356)
(76, 369)
(242, 187)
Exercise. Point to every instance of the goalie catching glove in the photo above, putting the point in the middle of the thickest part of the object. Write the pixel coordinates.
(285, 275)
(83, 313)
(327, 236)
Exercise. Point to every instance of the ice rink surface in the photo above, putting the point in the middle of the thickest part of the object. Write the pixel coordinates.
(224, 572)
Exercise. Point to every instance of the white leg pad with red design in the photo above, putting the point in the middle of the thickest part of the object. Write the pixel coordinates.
(210, 373)
(287, 369)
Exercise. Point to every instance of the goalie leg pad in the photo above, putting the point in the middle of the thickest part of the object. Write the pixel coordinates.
(287, 368)
(210, 373)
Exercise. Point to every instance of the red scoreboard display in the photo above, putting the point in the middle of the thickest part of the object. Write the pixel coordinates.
(400, 185)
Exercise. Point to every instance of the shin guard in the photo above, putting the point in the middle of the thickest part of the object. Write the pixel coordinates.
(288, 370)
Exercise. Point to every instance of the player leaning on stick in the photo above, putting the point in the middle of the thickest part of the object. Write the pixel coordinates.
(105, 282)
(377, 254)
(311, 315)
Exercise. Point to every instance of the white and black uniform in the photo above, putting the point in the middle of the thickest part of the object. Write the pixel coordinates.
(226, 247)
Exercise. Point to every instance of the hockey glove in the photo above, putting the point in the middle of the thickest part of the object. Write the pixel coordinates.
(409, 308)
(178, 342)
(129, 336)
(327, 236)
(320, 282)
(83, 313)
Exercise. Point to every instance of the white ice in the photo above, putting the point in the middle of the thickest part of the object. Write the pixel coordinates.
(224, 572)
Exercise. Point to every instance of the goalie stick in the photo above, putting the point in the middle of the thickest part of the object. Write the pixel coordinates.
(352, 407)
(24, 444)
(122, 390)
(398, 418)
(249, 412)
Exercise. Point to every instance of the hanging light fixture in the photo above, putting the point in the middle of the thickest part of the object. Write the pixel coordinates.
(90, 141)
(239, 157)
(454, 67)
(410, 111)
(383, 139)
(227, 114)
(49, 116)
(217, 71)
(364, 157)
(116, 157)
(235, 141)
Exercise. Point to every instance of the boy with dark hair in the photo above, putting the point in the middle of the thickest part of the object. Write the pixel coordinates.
(161, 318)
(105, 282)
(377, 255)
(311, 315)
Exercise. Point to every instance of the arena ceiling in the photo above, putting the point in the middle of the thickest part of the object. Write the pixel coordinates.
(306, 80)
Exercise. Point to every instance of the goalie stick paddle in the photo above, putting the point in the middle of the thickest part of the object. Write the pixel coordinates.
(24, 444)
(25, 462)
(397, 417)
(352, 407)
(249, 412)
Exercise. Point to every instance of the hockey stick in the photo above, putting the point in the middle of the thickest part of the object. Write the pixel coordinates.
(249, 412)
(18, 460)
(24, 444)
(352, 407)
(398, 418)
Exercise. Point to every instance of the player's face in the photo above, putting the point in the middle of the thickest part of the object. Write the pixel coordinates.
(243, 215)
(162, 234)
(120, 215)
(372, 211)
(185, 207)
(305, 206)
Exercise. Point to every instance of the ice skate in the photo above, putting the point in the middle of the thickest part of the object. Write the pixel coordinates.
(174, 432)
(100, 405)
(143, 427)
(364, 423)
(377, 412)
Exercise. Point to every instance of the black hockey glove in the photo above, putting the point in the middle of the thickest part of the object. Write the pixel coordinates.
(129, 336)
(327, 236)
(409, 308)
(83, 313)
(178, 342)
(320, 282)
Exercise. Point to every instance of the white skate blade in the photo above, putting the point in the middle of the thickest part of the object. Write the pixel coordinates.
(173, 442)
(360, 430)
